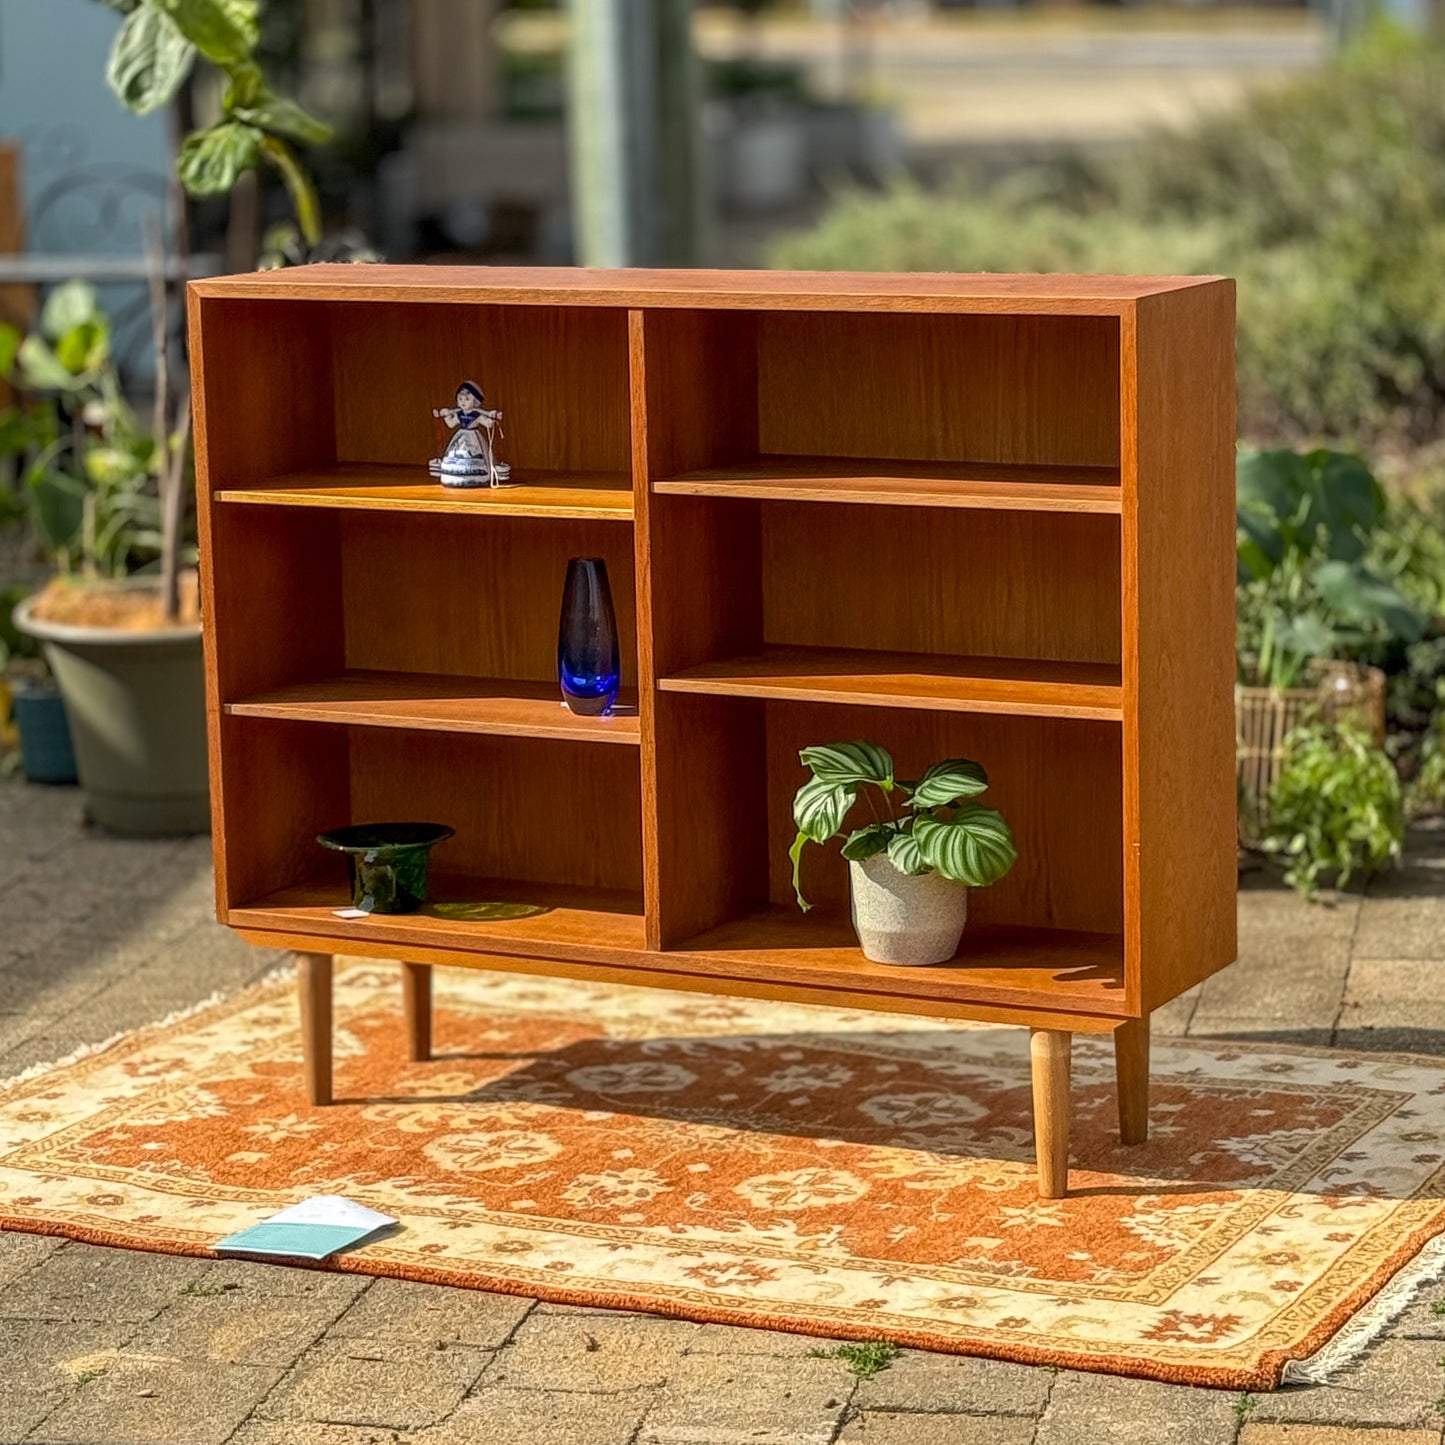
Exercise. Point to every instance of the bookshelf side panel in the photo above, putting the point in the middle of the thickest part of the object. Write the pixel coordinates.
(1182, 675)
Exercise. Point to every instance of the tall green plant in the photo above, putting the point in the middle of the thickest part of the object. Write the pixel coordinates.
(155, 50)
(931, 825)
(86, 468)
(1305, 527)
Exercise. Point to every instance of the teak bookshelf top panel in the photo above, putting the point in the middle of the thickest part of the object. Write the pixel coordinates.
(1041, 571)
(981, 293)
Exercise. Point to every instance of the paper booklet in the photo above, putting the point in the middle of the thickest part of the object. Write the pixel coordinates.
(314, 1229)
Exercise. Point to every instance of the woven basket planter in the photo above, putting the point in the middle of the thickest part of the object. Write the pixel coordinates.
(1264, 716)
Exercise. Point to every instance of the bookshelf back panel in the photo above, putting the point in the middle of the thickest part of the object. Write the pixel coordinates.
(527, 810)
(267, 389)
(984, 584)
(1056, 781)
(476, 597)
(531, 810)
(558, 375)
(276, 574)
(1040, 389)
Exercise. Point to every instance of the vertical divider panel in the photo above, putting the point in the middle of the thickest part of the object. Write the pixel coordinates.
(699, 596)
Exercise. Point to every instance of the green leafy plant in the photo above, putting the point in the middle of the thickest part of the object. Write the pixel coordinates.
(865, 1360)
(86, 467)
(931, 825)
(1337, 807)
(158, 44)
(1427, 792)
(1305, 524)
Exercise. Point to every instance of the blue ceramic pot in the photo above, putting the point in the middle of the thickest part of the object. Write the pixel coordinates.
(46, 752)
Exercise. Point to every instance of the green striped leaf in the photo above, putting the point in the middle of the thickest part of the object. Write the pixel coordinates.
(975, 846)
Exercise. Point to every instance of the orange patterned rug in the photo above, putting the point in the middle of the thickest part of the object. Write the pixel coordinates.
(801, 1168)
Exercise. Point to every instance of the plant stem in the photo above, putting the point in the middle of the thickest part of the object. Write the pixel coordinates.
(299, 184)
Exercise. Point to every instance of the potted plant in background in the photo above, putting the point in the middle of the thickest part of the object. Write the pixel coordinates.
(911, 866)
(118, 621)
(105, 495)
(1313, 610)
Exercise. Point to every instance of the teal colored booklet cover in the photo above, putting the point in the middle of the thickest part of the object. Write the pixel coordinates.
(314, 1229)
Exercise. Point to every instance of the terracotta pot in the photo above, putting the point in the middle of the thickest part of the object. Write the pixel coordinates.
(902, 919)
(137, 711)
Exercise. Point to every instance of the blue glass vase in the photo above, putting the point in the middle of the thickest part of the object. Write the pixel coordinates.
(588, 664)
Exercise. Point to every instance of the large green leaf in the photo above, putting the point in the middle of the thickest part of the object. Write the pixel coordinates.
(10, 337)
(225, 31)
(819, 808)
(84, 347)
(40, 368)
(850, 763)
(975, 846)
(284, 117)
(69, 305)
(1361, 596)
(949, 782)
(213, 160)
(57, 502)
(904, 855)
(148, 61)
(866, 842)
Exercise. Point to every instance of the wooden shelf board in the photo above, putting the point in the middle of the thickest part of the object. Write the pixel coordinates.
(581, 923)
(601, 496)
(986, 486)
(435, 703)
(911, 679)
(1019, 967)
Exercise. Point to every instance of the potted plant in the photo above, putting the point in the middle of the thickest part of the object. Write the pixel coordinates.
(1312, 609)
(107, 496)
(31, 702)
(911, 865)
(118, 621)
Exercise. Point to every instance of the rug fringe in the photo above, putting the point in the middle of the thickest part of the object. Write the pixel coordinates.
(180, 1015)
(1364, 1328)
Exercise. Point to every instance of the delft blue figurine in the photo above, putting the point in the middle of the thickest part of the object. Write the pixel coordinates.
(470, 459)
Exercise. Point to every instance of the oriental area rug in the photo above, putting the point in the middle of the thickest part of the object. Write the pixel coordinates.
(845, 1174)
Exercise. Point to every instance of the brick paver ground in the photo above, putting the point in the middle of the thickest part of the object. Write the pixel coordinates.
(108, 1347)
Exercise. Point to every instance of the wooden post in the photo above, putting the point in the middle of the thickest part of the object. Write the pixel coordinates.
(416, 995)
(1131, 1071)
(1050, 1050)
(313, 981)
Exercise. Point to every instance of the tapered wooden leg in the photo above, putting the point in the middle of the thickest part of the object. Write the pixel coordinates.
(1131, 1070)
(1051, 1050)
(416, 994)
(313, 979)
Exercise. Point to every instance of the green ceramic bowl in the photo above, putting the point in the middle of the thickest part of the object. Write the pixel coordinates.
(388, 862)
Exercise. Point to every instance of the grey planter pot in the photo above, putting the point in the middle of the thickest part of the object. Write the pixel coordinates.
(899, 919)
(137, 710)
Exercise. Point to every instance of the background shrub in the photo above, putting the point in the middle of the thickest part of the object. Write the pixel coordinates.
(1325, 198)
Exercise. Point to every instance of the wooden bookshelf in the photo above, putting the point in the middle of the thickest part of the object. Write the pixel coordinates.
(959, 515)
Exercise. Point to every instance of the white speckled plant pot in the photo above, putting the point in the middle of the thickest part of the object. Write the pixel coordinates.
(902, 919)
